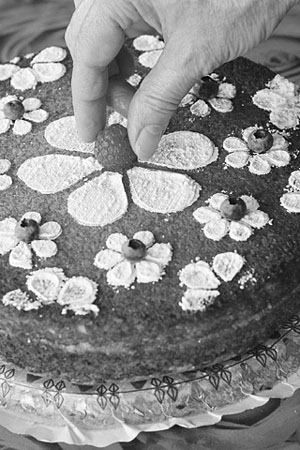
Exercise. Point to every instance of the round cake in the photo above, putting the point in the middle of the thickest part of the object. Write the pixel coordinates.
(114, 268)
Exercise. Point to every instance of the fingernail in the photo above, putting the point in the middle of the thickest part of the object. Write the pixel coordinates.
(147, 141)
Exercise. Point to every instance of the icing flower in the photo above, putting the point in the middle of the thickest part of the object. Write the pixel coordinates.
(139, 258)
(152, 48)
(102, 199)
(218, 217)
(44, 67)
(291, 199)
(19, 114)
(202, 283)
(26, 237)
(260, 163)
(210, 92)
(5, 180)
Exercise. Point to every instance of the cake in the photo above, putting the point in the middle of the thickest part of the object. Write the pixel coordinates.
(113, 268)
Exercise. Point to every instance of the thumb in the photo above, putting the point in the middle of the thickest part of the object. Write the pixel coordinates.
(157, 99)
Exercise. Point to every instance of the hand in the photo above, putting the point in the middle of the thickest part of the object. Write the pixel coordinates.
(200, 35)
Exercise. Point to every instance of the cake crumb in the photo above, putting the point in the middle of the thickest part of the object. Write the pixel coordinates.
(247, 278)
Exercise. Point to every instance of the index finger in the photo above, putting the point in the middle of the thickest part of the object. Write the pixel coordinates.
(94, 39)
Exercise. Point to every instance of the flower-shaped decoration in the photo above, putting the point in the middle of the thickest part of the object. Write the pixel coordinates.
(50, 285)
(44, 67)
(210, 92)
(202, 283)
(23, 238)
(103, 199)
(257, 149)
(152, 48)
(281, 97)
(19, 114)
(139, 258)
(5, 180)
(291, 199)
(228, 215)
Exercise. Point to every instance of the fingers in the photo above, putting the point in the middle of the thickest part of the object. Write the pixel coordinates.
(93, 45)
(119, 95)
(157, 99)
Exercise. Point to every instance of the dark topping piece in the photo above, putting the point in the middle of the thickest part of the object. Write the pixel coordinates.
(134, 250)
(27, 230)
(208, 88)
(260, 140)
(113, 149)
(13, 110)
(233, 208)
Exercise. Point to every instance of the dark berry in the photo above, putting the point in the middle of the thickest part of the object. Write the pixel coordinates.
(260, 140)
(113, 149)
(134, 250)
(208, 88)
(233, 208)
(13, 110)
(27, 230)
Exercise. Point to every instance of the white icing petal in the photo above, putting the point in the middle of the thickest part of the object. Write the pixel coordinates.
(78, 291)
(50, 230)
(21, 256)
(31, 103)
(37, 116)
(187, 100)
(259, 165)
(7, 243)
(185, 150)
(46, 284)
(32, 215)
(4, 165)
(44, 248)
(247, 131)
(7, 71)
(81, 310)
(123, 274)
(200, 108)
(279, 142)
(278, 158)
(24, 79)
(269, 100)
(238, 160)
(161, 191)
(62, 133)
(160, 253)
(5, 182)
(146, 237)
(21, 127)
(216, 229)
(291, 202)
(198, 275)
(47, 72)
(251, 203)
(234, 144)
(283, 86)
(145, 43)
(216, 200)
(7, 99)
(49, 174)
(256, 219)
(2, 115)
(106, 259)
(134, 79)
(149, 59)
(239, 231)
(7, 227)
(227, 90)
(100, 201)
(115, 117)
(50, 54)
(285, 118)
(148, 272)
(205, 214)
(222, 105)
(4, 125)
(115, 241)
(227, 265)
(198, 299)
(294, 180)
(20, 300)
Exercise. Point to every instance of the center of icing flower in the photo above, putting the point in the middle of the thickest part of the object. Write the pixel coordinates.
(113, 149)
(13, 110)
(27, 230)
(233, 208)
(208, 88)
(134, 250)
(260, 140)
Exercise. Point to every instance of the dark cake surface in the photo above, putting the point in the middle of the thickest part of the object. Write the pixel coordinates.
(141, 330)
